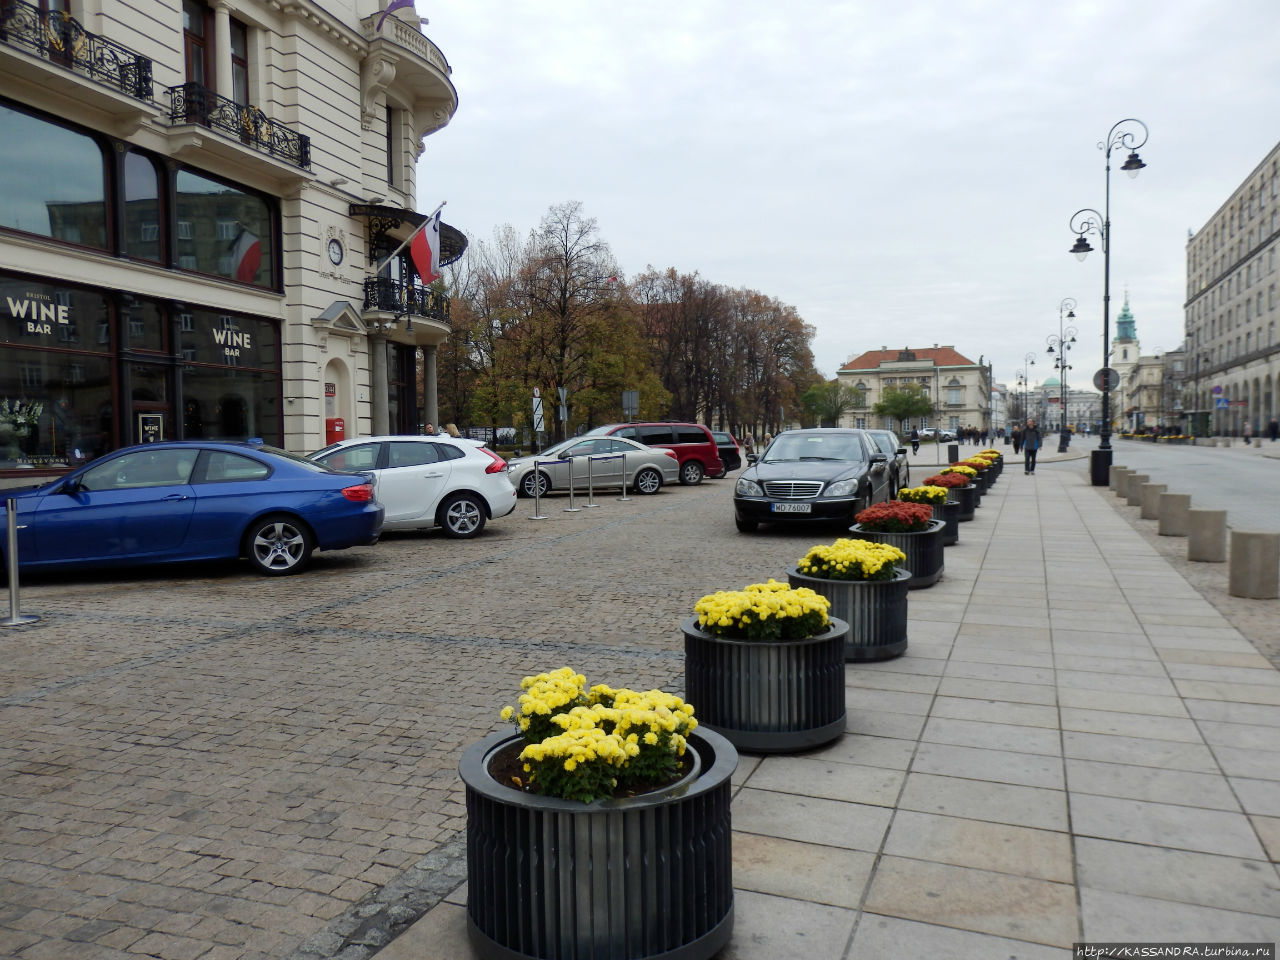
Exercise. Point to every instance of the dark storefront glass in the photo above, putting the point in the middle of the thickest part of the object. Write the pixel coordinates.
(223, 231)
(35, 314)
(53, 181)
(55, 408)
(141, 208)
(222, 404)
(142, 325)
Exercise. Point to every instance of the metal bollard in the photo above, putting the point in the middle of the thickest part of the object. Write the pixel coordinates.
(591, 488)
(537, 493)
(571, 508)
(15, 619)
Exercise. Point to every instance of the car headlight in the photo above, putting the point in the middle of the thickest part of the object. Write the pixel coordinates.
(747, 488)
(841, 488)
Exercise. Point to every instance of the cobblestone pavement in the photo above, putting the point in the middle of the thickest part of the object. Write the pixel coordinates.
(208, 764)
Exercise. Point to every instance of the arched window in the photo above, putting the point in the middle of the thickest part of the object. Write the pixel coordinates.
(142, 223)
(223, 230)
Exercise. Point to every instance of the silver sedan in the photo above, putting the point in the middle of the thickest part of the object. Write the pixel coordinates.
(600, 461)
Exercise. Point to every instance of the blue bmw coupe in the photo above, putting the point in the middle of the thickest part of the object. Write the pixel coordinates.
(194, 500)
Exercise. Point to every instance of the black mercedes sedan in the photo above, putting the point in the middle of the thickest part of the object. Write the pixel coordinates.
(824, 474)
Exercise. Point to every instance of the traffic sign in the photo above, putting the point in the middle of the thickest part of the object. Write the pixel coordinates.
(1221, 403)
(1106, 379)
(538, 424)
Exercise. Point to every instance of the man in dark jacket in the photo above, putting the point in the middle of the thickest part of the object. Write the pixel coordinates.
(1031, 441)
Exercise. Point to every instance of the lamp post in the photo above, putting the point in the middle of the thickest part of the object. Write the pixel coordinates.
(1089, 220)
(1060, 345)
(1024, 381)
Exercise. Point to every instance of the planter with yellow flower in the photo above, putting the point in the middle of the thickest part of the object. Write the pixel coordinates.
(981, 473)
(867, 587)
(943, 509)
(964, 491)
(765, 665)
(911, 528)
(600, 829)
(996, 458)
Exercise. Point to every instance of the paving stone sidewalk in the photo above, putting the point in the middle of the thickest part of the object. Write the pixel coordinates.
(1077, 746)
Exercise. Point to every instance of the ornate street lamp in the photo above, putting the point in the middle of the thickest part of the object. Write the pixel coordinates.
(1088, 221)
(1024, 381)
(1060, 345)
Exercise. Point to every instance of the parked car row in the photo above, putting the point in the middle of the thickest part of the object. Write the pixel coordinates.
(183, 501)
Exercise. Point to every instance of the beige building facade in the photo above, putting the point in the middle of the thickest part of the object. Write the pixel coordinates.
(1232, 308)
(961, 390)
(199, 204)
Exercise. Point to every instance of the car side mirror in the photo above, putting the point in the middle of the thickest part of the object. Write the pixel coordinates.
(752, 458)
(879, 458)
(902, 450)
(70, 487)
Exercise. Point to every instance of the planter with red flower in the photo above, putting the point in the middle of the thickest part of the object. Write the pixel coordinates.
(943, 508)
(911, 528)
(960, 487)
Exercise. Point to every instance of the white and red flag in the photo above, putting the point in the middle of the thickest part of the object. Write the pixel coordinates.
(424, 249)
(246, 255)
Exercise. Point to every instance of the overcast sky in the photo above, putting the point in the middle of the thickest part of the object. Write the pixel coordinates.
(902, 172)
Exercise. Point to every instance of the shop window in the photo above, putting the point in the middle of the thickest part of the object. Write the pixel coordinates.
(55, 185)
(242, 251)
(55, 408)
(141, 208)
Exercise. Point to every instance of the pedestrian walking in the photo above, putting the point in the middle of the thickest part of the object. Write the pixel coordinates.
(1016, 436)
(1248, 432)
(1031, 442)
(915, 441)
(1273, 429)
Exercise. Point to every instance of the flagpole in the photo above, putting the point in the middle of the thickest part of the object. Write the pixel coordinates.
(409, 239)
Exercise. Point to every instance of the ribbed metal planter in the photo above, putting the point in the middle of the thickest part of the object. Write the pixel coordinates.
(642, 878)
(923, 550)
(949, 514)
(767, 697)
(876, 611)
(967, 498)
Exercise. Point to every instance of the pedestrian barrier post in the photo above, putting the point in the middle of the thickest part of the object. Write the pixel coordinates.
(622, 477)
(1149, 500)
(571, 508)
(1254, 571)
(1122, 478)
(15, 618)
(591, 487)
(537, 491)
(1207, 535)
(1174, 510)
(1114, 474)
(1134, 487)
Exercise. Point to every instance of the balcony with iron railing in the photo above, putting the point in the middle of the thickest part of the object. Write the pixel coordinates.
(59, 39)
(401, 299)
(195, 103)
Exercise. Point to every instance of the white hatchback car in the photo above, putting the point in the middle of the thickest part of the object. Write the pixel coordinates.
(453, 483)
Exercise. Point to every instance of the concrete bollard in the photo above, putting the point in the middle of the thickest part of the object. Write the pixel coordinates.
(1207, 535)
(1122, 481)
(1114, 474)
(1149, 500)
(1134, 487)
(1174, 508)
(1255, 565)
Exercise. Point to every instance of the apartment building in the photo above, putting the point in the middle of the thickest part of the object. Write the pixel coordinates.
(197, 216)
(959, 388)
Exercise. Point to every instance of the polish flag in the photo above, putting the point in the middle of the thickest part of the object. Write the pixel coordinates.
(246, 256)
(424, 250)
(393, 5)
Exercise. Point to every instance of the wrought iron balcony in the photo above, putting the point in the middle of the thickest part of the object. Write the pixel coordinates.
(405, 299)
(195, 103)
(57, 37)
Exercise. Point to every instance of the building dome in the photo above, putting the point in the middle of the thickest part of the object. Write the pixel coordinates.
(1052, 382)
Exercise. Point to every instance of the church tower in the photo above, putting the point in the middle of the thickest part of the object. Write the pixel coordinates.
(1124, 358)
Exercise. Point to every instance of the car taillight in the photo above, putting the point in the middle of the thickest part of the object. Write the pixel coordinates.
(360, 493)
(498, 464)
(672, 454)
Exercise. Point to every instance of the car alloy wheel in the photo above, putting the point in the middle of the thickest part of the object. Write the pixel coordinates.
(461, 516)
(691, 473)
(278, 545)
(535, 483)
(648, 481)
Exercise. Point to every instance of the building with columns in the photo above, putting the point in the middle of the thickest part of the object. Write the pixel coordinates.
(961, 390)
(1232, 308)
(198, 208)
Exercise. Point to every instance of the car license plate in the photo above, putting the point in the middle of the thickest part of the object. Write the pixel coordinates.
(791, 507)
